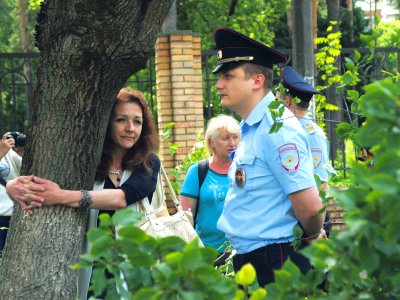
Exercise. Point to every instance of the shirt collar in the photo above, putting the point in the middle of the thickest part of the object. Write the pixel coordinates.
(258, 112)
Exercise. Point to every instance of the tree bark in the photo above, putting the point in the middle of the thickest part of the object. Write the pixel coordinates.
(303, 43)
(88, 50)
(350, 9)
(315, 21)
(332, 96)
(24, 37)
(169, 24)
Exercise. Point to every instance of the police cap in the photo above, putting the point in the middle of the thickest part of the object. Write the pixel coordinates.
(296, 85)
(234, 47)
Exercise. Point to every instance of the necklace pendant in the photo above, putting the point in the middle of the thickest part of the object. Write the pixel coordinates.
(117, 173)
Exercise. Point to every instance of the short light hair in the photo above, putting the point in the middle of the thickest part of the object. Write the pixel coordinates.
(253, 69)
(217, 125)
(250, 69)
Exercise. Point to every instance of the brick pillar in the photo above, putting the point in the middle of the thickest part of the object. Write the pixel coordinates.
(179, 92)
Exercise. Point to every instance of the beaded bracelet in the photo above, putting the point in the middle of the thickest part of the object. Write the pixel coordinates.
(86, 199)
(311, 237)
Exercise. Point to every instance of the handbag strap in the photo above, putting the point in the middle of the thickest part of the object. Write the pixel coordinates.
(171, 189)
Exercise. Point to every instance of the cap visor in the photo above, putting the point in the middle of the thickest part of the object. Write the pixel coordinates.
(217, 69)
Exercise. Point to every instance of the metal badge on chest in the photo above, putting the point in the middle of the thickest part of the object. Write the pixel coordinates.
(240, 177)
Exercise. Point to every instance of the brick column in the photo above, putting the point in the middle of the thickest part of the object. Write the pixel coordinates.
(179, 92)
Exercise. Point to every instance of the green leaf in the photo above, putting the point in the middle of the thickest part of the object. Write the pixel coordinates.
(193, 295)
(191, 259)
(357, 55)
(147, 293)
(246, 275)
(126, 216)
(101, 245)
(105, 220)
(99, 281)
(384, 182)
(258, 294)
(275, 127)
(353, 94)
(274, 104)
(349, 64)
(85, 261)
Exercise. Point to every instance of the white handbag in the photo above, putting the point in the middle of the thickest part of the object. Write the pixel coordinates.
(159, 225)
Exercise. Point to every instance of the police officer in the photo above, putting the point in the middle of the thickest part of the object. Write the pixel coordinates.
(295, 86)
(272, 188)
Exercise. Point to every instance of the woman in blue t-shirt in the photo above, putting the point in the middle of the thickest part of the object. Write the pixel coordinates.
(221, 139)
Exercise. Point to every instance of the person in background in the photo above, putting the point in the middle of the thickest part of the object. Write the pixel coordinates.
(206, 203)
(295, 86)
(272, 187)
(10, 166)
(127, 172)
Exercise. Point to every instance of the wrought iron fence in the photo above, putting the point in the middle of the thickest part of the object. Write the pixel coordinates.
(16, 90)
(17, 84)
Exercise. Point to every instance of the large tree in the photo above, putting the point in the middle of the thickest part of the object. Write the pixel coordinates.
(88, 49)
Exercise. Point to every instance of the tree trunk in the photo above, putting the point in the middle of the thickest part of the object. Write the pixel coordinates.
(24, 37)
(315, 21)
(303, 43)
(332, 96)
(88, 49)
(169, 24)
(350, 9)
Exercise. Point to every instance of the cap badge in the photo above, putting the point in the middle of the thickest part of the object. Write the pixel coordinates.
(240, 177)
(219, 54)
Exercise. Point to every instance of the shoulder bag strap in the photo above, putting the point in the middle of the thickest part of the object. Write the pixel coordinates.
(202, 170)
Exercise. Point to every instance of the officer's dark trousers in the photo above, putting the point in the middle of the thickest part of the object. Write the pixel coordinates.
(269, 258)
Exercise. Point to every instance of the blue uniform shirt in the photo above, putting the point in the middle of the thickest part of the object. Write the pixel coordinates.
(275, 165)
(319, 147)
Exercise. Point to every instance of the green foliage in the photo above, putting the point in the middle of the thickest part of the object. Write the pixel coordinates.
(9, 27)
(390, 34)
(34, 5)
(244, 16)
(363, 261)
(276, 109)
(167, 136)
(351, 23)
(367, 254)
(144, 267)
(204, 17)
(198, 153)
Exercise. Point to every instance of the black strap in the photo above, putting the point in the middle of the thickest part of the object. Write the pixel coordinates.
(3, 182)
(202, 172)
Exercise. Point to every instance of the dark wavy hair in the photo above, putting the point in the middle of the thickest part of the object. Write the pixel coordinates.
(142, 153)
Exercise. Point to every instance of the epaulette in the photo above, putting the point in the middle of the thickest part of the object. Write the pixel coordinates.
(309, 127)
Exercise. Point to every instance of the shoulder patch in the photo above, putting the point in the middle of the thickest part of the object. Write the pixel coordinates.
(316, 154)
(289, 156)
